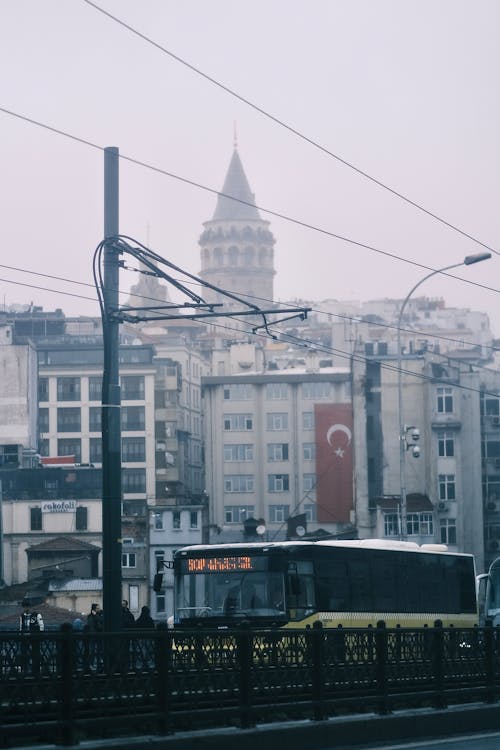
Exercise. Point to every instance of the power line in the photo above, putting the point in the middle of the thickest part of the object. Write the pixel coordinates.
(271, 212)
(351, 319)
(303, 343)
(291, 129)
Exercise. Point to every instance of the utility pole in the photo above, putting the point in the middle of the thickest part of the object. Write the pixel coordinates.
(111, 428)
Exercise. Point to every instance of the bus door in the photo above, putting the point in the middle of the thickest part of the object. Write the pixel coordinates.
(301, 600)
(488, 594)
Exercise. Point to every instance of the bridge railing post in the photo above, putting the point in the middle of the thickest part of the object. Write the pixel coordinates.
(381, 655)
(244, 657)
(490, 644)
(163, 661)
(438, 656)
(317, 651)
(66, 661)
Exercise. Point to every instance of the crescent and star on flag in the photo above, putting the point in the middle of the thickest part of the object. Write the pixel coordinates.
(339, 450)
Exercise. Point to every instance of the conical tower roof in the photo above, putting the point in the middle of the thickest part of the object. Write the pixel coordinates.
(236, 184)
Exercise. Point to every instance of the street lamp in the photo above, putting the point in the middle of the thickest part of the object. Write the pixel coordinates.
(469, 260)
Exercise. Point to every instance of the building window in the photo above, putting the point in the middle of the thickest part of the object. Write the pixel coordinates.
(419, 524)
(133, 597)
(316, 391)
(277, 421)
(309, 451)
(160, 603)
(238, 452)
(44, 447)
(95, 388)
(68, 389)
(128, 560)
(277, 451)
(43, 389)
(278, 482)
(238, 483)
(70, 447)
(81, 518)
(132, 387)
(446, 444)
(238, 392)
(159, 558)
(132, 418)
(310, 511)
(278, 513)
(238, 422)
(134, 480)
(158, 521)
(43, 420)
(176, 519)
(309, 482)
(133, 449)
(95, 450)
(35, 519)
(133, 509)
(491, 406)
(444, 400)
(193, 519)
(448, 530)
(277, 391)
(237, 513)
(447, 486)
(68, 419)
(391, 524)
(95, 419)
(308, 420)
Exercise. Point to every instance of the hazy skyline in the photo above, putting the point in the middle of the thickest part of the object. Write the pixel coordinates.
(405, 91)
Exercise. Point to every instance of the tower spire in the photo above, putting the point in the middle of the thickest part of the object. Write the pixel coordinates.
(235, 135)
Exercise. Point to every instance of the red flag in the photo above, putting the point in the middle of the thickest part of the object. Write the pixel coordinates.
(334, 464)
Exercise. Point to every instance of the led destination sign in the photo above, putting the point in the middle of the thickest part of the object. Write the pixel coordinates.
(224, 564)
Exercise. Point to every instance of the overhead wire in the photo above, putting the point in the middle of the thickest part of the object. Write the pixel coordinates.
(271, 212)
(291, 129)
(353, 319)
(296, 340)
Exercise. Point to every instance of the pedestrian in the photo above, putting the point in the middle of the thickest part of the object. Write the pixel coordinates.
(30, 623)
(145, 621)
(94, 626)
(126, 646)
(128, 619)
(144, 648)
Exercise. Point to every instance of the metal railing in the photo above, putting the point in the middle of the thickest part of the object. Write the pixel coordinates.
(69, 686)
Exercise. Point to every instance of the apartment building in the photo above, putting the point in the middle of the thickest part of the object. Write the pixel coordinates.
(449, 483)
(278, 444)
(69, 414)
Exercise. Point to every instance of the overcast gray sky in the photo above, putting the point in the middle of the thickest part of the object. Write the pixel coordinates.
(406, 90)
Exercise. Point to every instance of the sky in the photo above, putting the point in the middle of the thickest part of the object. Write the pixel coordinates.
(405, 91)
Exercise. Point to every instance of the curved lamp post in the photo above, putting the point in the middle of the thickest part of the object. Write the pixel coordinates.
(403, 429)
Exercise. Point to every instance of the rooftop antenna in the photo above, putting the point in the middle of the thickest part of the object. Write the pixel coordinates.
(235, 135)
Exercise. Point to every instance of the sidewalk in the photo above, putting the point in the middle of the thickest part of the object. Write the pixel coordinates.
(341, 732)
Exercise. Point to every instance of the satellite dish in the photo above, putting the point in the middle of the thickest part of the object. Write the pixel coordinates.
(300, 531)
(261, 529)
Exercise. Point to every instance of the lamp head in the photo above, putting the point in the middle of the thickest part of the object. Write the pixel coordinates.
(477, 258)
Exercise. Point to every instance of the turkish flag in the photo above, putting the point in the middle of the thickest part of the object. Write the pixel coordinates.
(334, 462)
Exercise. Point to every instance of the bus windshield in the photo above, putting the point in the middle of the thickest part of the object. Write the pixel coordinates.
(229, 594)
(226, 587)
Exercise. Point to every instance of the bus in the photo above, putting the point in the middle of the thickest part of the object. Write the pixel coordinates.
(352, 584)
(488, 585)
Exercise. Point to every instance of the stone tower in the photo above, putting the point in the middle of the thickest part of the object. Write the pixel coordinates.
(237, 248)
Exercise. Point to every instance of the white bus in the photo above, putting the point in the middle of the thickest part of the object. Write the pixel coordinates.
(340, 583)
